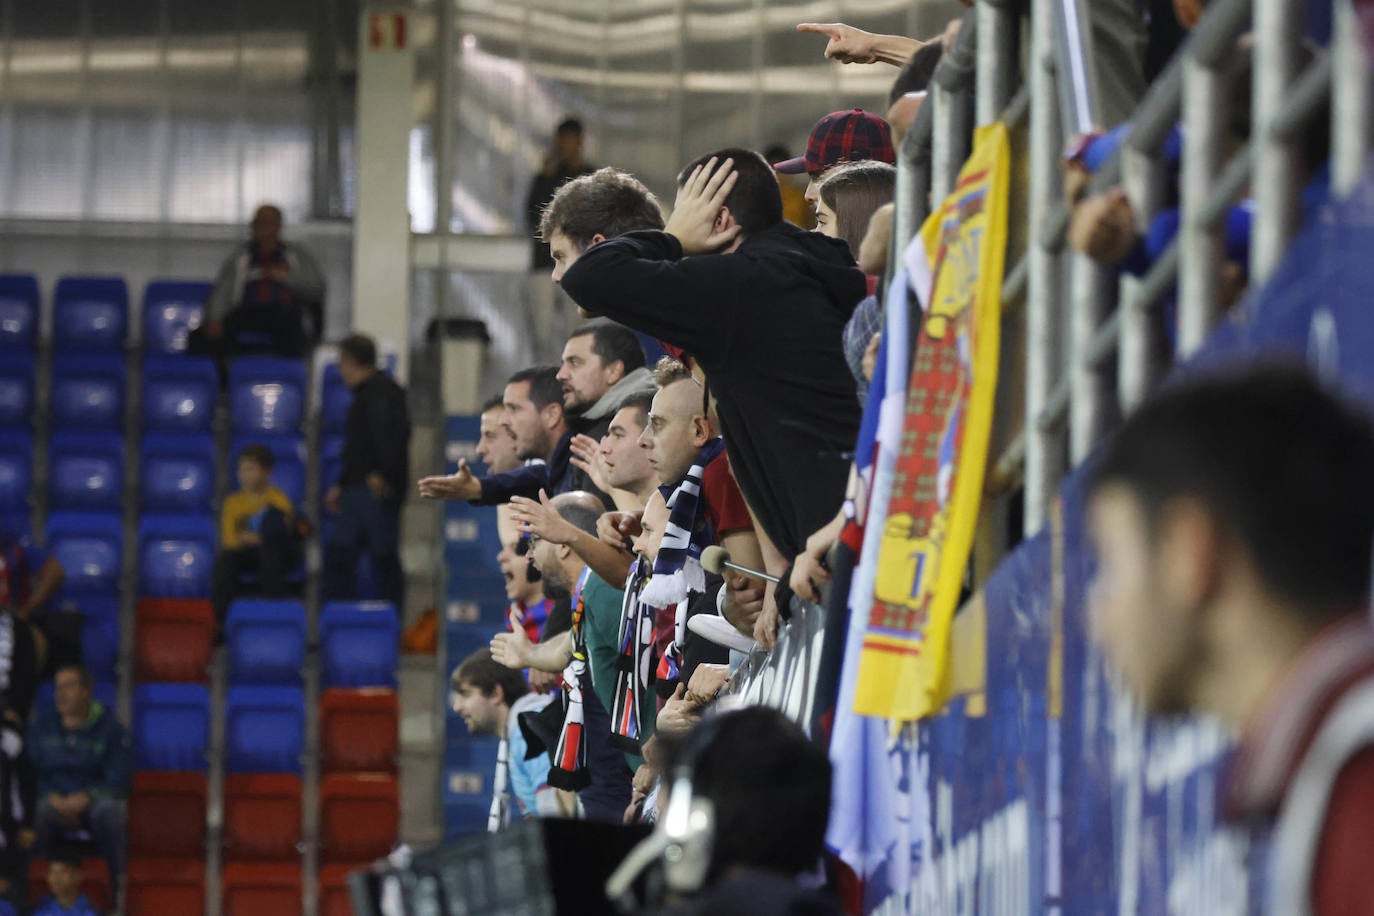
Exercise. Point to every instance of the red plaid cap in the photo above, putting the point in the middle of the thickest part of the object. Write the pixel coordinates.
(843, 136)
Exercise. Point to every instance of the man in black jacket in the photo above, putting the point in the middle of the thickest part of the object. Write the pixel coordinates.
(764, 321)
(367, 496)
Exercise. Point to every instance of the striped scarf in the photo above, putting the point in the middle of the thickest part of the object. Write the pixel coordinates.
(634, 676)
(569, 770)
(677, 571)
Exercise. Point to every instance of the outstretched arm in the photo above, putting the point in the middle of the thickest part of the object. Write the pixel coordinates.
(849, 45)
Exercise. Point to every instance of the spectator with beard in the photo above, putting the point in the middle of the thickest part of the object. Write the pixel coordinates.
(602, 365)
(790, 418)
(584, 761)
(491, 698)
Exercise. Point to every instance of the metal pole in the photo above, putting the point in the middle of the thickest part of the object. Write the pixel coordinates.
(1277, 31)
(1138, 367)
(996, 32)
(1043, 457)
(1201, 242)
(1092, 296)
(1350, 108)
(1073, 54)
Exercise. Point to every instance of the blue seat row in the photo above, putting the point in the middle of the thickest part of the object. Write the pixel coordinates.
(91, 314)
(358, 643)
(264, 728)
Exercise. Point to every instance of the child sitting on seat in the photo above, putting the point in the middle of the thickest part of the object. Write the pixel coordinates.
(260, 532)
(64, 880)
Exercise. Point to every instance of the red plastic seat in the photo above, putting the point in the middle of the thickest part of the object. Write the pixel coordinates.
(160, 887)
(333, 889)
(261, 889)
(173, 640)
(95, 881)
(262, 816)
(359, 816)
(359, 730)
(167, 815)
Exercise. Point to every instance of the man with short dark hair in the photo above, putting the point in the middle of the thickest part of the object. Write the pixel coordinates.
(764, 321)
(84, 764)
(593, 208)
(496, 443)
(367, 495)
(491, 698)
(1233, 518)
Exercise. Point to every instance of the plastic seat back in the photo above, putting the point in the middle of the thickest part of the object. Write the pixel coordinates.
(161, 887)
(19, 304)
(86, 471)
(88, 391)
(261, 889)
(359, 730)
(179, 393)
(267, 394)
(90, 547)
(264, 729)
(359, 816)
(16, 390)
(171, 726)
(175, 555)
(262, 815)
(90, 313)
(266, 641)
(176, 473)
(173, 640)
(171, 310)
(167, 813)
(99, 633)
(358, 644)
(16, 469)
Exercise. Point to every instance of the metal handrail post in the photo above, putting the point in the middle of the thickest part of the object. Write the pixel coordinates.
(1277, 32)
(1076, 77)
(1138, 366)
(995, 50)
(1044, 464)
(1201, 241)
(952, 134)
(1350, 105)
(1092, 295)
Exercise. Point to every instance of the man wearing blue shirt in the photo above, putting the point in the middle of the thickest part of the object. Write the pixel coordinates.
(490, 697)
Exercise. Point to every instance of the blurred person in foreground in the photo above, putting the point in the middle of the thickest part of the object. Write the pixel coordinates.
(1233, 518)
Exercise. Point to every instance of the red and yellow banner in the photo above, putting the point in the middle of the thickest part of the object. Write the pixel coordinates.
(938, 484)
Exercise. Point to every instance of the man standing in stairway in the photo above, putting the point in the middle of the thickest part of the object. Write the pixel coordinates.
(367, 495)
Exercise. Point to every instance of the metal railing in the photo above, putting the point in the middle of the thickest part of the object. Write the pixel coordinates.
(1087, 331)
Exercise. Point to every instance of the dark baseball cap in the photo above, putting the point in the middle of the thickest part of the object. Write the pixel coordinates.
(843, 136)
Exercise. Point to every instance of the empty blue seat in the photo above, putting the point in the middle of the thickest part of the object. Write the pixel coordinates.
(175, 556)
(264, 729)
(266, 641)
(90, 547)
(335, 399)
(16, 390)
(266, 394)
(88, 391)
(171, 726)
(99, 633)
(288, 456)
(358, 644)
(90, 313)
(179, 393)
(171, 310)
(86, 470)
(177, 472)
(19, 303)
(16, 468)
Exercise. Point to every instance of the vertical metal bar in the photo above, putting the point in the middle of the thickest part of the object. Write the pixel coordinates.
(1091, 296)
(1043, 461)
(1276, 200)
(1201, 246)
(944, 162)
(1350, 107)
(446, 105)
(995, 60)
(1137, 364)
(1073, 56)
